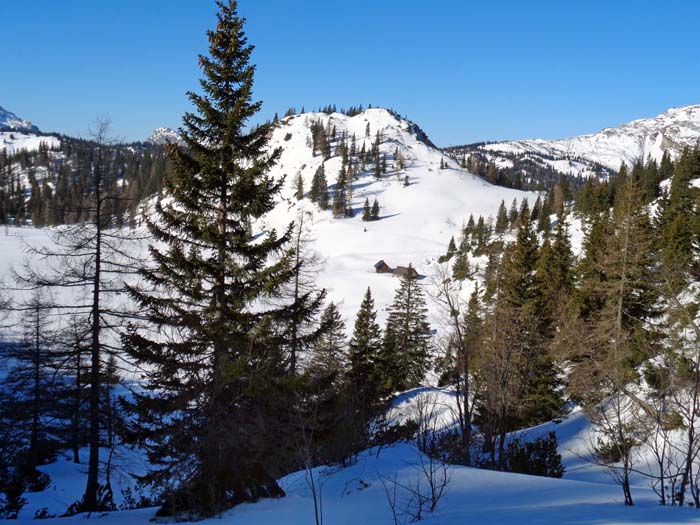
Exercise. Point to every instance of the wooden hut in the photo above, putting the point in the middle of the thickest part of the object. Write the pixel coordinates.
(382, 267)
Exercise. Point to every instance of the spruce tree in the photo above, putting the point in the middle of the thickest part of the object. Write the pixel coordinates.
(377, 166)
(339, 195)
(299, 187)
(322, 190)
(451, 249)
(375, 210)
(315, 189)
(677, 217)
(363, 354)
(556, 265)
(460, 267)
(524, 301)
(216, 395)
(366, 213)
(407, 338)
(329, 350)
(501, 219)
(513, 213)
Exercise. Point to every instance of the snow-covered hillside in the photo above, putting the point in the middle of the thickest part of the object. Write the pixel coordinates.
(416, 221)
(670, 131)
(17, 134)
(358, 494)
(13, 141)
(11, 122)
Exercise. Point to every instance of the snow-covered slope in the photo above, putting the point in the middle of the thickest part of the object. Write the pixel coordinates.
(670, 131)
(416, 221)
(12, 141)
(162, 136)
(17, 134)
(358, 494)
(11, 122)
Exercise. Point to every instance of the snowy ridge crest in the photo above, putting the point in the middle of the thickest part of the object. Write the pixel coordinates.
(162, 136)
(643, 139)
(11, 122)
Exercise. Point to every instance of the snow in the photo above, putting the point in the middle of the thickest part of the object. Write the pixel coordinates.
(672, 130)
(11, 122)
(356, 495)
(416, 224)
(14, 141)
(163, 136)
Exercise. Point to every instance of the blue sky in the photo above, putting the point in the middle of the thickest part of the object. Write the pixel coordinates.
(465, 71)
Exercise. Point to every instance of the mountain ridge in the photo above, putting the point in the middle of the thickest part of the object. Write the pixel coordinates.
(11, 122)
(641, 139)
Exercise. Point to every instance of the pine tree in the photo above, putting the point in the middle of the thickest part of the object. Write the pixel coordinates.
(363, 354)
(339, 195)
(513, 214)
(375, 210)
(329, 351)
(536, 210)
(316, 184)
(299, 187)
(501, 219)
(366, 213)
(460, 267)
(407, 338)
(322, 190)
(451, 249)
(676, 219)
(218, 375)
(377, 166)
(523, 298)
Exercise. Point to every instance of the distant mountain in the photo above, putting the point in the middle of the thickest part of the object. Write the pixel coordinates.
(11, 122)
(670, 131)
(161, 136)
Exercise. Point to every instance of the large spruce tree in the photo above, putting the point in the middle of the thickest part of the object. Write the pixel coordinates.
(212, 412)
(407, 338)
(364, 348)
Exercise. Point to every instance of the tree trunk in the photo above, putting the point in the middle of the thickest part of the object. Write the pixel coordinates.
(75, 420)
(90, 499)
(34, 443)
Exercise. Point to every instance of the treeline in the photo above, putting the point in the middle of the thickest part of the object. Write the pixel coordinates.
(50, 187)
(524, 172)
(351, 111)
